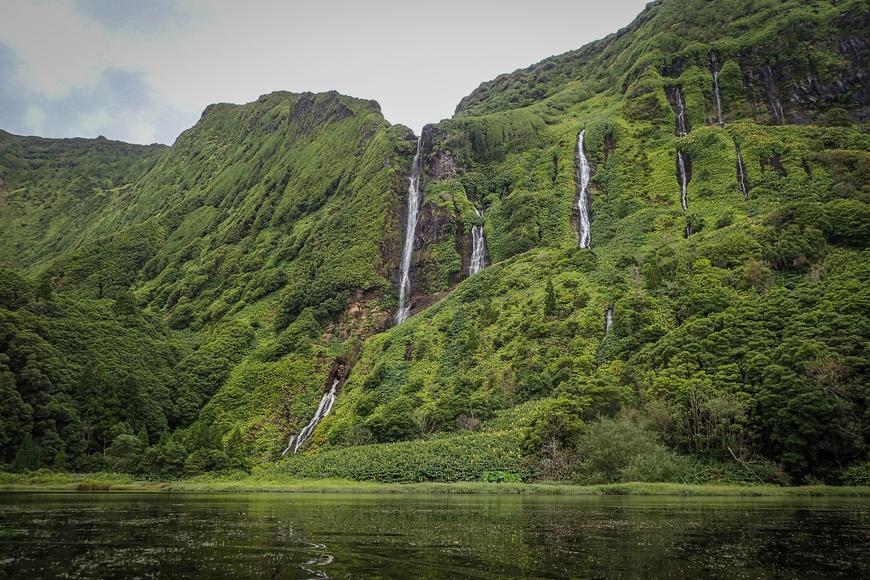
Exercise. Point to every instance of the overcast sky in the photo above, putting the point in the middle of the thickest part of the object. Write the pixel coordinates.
(143, 70)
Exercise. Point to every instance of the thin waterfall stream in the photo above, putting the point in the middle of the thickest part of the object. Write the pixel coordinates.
(683, 176)
(678, 104)
(414, 195)
(582, 177)
(684, 180)
(774, 104)
(608, 320)
(478, 248)
(714, 67)
(741, 173)
(323, 409)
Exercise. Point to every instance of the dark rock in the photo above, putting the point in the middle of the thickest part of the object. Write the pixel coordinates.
(442, 165)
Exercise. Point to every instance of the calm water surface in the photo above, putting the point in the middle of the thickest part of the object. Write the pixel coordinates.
(362, 536)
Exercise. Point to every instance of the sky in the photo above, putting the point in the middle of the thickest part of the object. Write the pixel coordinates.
(142, 71)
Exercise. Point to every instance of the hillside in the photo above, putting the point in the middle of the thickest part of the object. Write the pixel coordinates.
(674, 222)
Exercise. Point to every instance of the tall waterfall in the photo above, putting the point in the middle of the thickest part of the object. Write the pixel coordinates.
(414, 195)
(583, 197)
(741, 173)
(714, 67)
(684, 180)
(608, 319)
(478, 248)
(323, 409)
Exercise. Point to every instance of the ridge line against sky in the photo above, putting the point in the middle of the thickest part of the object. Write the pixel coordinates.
(143, 72)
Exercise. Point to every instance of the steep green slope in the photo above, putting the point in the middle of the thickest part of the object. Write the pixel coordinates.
(248, 200)
(734, 343)
(53, 190)
(268, 229)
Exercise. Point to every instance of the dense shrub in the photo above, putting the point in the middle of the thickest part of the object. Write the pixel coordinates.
(458, 458)
(857, 474)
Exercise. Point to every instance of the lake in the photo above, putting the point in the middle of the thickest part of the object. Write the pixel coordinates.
(273, 535)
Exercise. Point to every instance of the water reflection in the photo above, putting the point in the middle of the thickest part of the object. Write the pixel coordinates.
(319, 536)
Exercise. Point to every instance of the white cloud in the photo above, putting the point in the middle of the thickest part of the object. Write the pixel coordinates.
(57, 47)
(34, 119)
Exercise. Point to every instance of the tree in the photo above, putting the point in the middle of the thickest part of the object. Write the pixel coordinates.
(550, 300)
(28, 455)
(394, 421)
(15, 291)
(557, 422)
(125, 304)
(15, 415)
(44, 290)
(125, 452)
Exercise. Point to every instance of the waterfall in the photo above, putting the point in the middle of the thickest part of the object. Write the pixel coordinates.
(323, 409)
(608, 320)
(714, 66)
(582, 178)
(774, 104)
(414, 194)
(675, 98)
(681, 114)
(780, 114)
(684, 180)
(741, 173)
(478, 248)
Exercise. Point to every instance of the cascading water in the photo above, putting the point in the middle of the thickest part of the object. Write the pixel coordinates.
(741, 173)
(608, 320)
(675, 98)
(582, 178)
(714, 67)
(478, 248)
(414, 195)
(683, 176)
(774, 104)
(682, 126)
(323, 409)
(778, 112)
(684, 180)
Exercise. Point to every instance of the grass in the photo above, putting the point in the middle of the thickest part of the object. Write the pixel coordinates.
(104, 482)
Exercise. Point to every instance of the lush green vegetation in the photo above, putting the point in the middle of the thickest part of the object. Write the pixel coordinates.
(82, 381)
(184, 308)
(241, 482)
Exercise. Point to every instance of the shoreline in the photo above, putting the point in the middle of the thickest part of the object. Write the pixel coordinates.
(119, 483)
